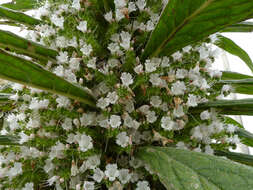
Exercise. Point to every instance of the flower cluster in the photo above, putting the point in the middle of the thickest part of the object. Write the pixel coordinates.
(68, 145)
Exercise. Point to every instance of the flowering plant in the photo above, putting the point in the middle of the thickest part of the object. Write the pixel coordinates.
(122, 95)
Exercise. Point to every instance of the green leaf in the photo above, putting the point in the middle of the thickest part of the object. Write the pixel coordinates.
(23, 46)
(21, 5)
(227, 107)
(108, 5)
(227, 75)
(244, 86)
(245, 137)
(229, 120)
(8, 140)
(25, 72)
(18, 17)
(4, 97)
(232, 48)
(237, 157)
(239, 27)
(187, 170)
(185, 22)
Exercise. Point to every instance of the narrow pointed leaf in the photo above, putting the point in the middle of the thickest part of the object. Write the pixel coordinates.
(244, 86)
(232, 48)
(245, 137)
(187, 170)
(227, 75)
(18, 17)
(23, 46)
(21, 5)
(227, 107)
(25, 72)
(8, 140)
(185, 22)
(237, 157)
(240, 27)
(4, 98)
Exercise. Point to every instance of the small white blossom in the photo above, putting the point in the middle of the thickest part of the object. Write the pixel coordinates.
(138, 69)
(98, 175)
(231, 128)
(112, 171)
(82, 26)
(120, 3)
(205, 115)
(112, 97)
(141, 4)
(155, 101)
(113, 47)
(167, 123)
(131, 7)
(58, 21)
(181, 73)
(62, 102)
(192, 100)
(178, 88)
(63, 57)
(125, 40)
(28, 186)
(124, 176)
(115, 121)
(108, 16)
(119, 15)
(126, 79)
(86, 49)
(177, 56)
(74, 64)
(93, 161)
(76, 4)
(155, 79)
(85, 143)
(143, 185)
(122, 139)
(88, 185)
(103, 103)
(151, 117)
(178, 111)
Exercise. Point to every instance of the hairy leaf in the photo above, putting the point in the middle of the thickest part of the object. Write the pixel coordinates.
(227, 107)
(239, 27)
(232, 48)
(8, 140)
(244, 86)
(187, 170)
(185, 22)
(18, 17)
(21, 5)
(23, 46)
(228, 75)
(22, 71)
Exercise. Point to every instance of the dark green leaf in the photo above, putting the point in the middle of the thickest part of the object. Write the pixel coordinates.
(18, 17)
(185, 22)
(8, 140)
(21, 5)
(245, 136)
(227, 107)
(229, 120)
(232, 48)
(239, 27)
(227, 75)
(19, 70)
(237, 157)
(23, 46)
(4, 97)
(244, 86)
(187, 170)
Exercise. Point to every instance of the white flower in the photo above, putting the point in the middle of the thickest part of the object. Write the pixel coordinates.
(231, 128)
(138, 69)
(151, 117)
(205, 115)
(86, 49)
(73, 42)
(113, 47)
(155, 79)
(181, 73)
(112, 97)
(88, 185)
(203, 53)
(179, 111)
(178, 88)
(155, 101)
(119, 15)
(48, 166)
(85, 143)
(93, 161)
(165, 62)
(62, 102)
(63, 57)
(142, 185)
(209, 150)
(122, 139)
(15, 170)
(52, 180)
(74, 64)
(226, 88)
(126, 79)
(120, 3)
(98, 175)
(192, 100)
(124, 176)
(103, 103)
(177, 56)
(187, 49)
(76, 4)
(28, 186)
(59, 71)
(150, 66)
(125, 40)
(167, 123)
(108, 16)
(58, 21)
(141, 4)
(38, 104)
(112, 171)
(115, 121)
(181, 145)
(82, 26)
(23, 137)
(150, 26)
(74, 169)
(131, 7)
(57, 151)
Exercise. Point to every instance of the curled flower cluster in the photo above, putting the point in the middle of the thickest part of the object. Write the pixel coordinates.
(67, 145)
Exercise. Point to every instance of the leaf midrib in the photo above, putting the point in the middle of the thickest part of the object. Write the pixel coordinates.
(186, 20)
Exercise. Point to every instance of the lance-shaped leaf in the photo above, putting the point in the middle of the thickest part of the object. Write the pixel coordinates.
(239, 27)
(232, 48)
(237, 157)
(187, 170)
(228, 75)
(227, 107)
(8, 140)
(245, 137)
(18, 17)
(25, 72)
(21, 5)
(244, 86)
(23, 46)
(185, 22)
(4, 98)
